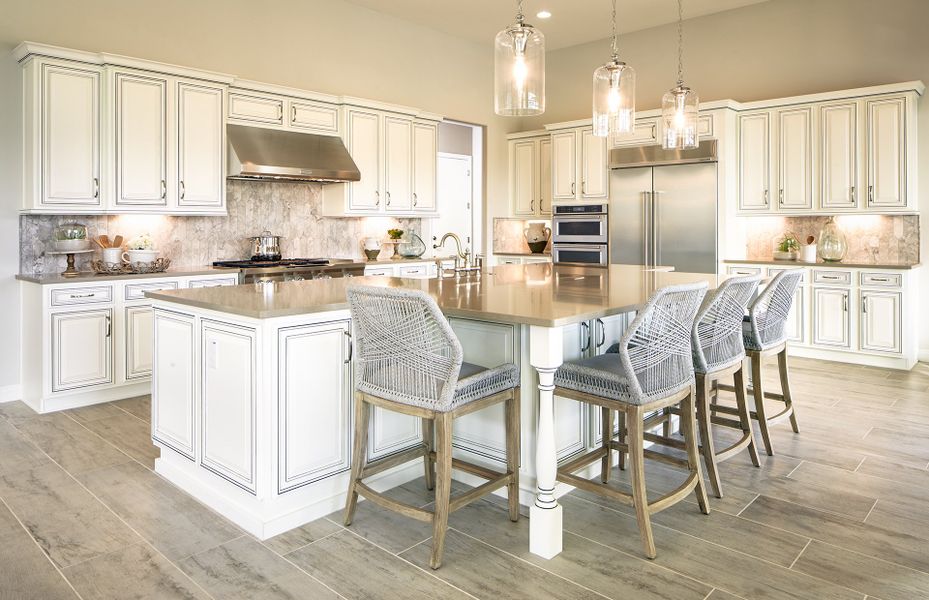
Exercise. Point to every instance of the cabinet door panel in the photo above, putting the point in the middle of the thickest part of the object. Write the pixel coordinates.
(141, 140)
(571, 429)
(398, 171)
(228, 389)
(796, 318)
(314, 405)
(524, 177)
(839, 162)
(256, 109)
(201, 138)
(795, 159)
(82, 349)
(173, 397)
(881, 325)
(70, 136)
(138, 320)
(594, 170)
(315, 116)
(545, 177)
(831, 325)
(425, 156)
(886, 153)
(564, 165)
(754, 162)
(364, 146)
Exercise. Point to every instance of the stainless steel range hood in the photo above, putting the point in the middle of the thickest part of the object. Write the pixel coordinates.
(656, 156)
(257, 153)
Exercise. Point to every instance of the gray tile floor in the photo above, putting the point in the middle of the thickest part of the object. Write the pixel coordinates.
(840, 512)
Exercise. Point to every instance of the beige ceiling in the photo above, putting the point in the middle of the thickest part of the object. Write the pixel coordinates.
(573, 21)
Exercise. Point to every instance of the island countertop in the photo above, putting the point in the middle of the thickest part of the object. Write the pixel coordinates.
(822, 263)
(538, 294)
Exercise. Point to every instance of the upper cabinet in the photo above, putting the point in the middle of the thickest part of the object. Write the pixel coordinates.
(847, 154)
(201, 147)
(397, 156)
(580, 166)
(141, 138)
(530, 161)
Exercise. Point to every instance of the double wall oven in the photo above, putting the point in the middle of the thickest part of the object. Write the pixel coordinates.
(580, 234)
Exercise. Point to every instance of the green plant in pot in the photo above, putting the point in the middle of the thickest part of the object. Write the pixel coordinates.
(787, 247)
(395, 234)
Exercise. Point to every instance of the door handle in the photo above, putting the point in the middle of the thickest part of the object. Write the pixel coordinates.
(541, 207)
(646, 226)
(351, 347)
(780, 196)
(583, 187)
(585, 331)
(656, 231)
(845, 302)
(851, 192)
(532, 205)
(280, 112)
(864, 304)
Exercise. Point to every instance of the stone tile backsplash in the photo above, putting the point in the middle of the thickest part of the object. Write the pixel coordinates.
(291, 210)
(509, 236)
(887, 238)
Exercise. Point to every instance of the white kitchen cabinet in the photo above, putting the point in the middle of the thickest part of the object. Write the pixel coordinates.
(228, 391)
(138, 337)
(314, 117)
(545, 177)
(881, 320)
(253, 109)
(201, 147)
(314, 437)
(62, 127)
(174, 409)
(364, 142)
(564, 165)
(425, 165)
(796, 318)
(595, 175)
(580, 165)
(886, 152)
(524, 176)
(754, 169)
(838, 161)
(141, 140)
(82, 348)
(398, 164)
(644, 133)
(831, 322)
(795, 158)
(266, 106)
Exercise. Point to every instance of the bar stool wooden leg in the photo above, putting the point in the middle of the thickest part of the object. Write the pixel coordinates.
(621, 417)
(512, 453)
(443, 487)
(636, 442)
(759, 403)
(666, 426)
(693, 456)
(707, 447)
(429, 443)
(744, 418)
(606, 431)
(359, 452)
(785, 387)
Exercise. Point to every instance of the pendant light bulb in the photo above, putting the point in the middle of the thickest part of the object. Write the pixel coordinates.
(613, 93)
(680, 105)
(519, 69)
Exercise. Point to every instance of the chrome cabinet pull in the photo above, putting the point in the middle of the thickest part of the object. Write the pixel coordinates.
(109, 326)
(766, 197)
(573, 189)
(870, 194)
(76, 296)
(583, 187)
(602, 333)
(280, 112)
(388, 198)
(415, 199)
(164, 189)
(351, 347)
(780, 198)
(293, 114)
(585, 330)
(851, 192)
(183, 189)
(864, 304)
(879, 279)
(96, 187)
(532, 205)
(845, 302)
(377, 200)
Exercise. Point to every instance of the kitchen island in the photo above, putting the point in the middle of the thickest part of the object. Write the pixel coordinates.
(252, 387)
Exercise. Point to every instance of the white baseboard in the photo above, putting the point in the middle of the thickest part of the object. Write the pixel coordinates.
(11, 393)
(923, 355)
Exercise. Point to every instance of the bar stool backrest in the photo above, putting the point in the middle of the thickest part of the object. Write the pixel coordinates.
(717, 333)
(405, 349)
(768, 313)
(656, 348)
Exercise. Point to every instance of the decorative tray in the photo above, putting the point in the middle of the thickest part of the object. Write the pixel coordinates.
(159, 265)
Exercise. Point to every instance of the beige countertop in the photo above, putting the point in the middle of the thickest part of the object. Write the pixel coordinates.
(546, 254)
(391, 261)
(822, 263)
(90, 276)
(537, 294)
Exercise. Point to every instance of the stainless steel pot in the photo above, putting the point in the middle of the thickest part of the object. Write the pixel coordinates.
(266, 246)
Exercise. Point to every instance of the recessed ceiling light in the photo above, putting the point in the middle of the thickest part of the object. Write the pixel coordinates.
(543, 14)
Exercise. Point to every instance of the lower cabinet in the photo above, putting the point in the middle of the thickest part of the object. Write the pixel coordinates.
(174, 415)
(831, 322)
(82, 348)
(314, 436)
(138, 339)
(881, 321)
(228, 390)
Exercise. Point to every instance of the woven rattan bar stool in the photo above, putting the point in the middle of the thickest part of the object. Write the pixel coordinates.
(764, 332)
(409, 360)
(653, 370)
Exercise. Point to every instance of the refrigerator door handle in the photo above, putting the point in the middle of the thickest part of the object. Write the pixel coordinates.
(646, 226)
(656, 229)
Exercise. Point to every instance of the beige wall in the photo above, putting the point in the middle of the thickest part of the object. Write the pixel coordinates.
(322, 45)
(768, 50)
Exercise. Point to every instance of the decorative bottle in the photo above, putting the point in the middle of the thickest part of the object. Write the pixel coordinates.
(833, 246)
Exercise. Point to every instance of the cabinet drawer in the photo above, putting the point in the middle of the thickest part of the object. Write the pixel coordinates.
(256, 109)
(315, 116)
(202, 283)
(894, 280)
(645, 132)
(82, 295)
(379, 272)
(417, 271)
(744, 270)
(136, 291)
(772, 271)
(832, 277)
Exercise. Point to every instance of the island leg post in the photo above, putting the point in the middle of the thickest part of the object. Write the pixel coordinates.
(546, 353)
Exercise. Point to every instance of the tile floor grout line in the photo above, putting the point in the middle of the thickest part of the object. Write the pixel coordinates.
(328, 535)
(118, 449)
(42, 550)
(805, 546)
(794, 469)
(131, 414)
(739, 514)
(199, 552)
(865, 436)
(873, 506)
(864, 458)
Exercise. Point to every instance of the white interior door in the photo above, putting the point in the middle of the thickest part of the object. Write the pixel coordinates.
(141, 140)
(201, 138)
(454, 190)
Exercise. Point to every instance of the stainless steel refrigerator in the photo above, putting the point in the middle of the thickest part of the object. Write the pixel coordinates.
(663, 208)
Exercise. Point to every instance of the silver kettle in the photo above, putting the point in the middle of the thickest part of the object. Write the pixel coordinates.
(266, 246)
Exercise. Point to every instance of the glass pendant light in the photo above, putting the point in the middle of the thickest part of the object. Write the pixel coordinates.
(679, 109)
(519, 69)
(614, 93)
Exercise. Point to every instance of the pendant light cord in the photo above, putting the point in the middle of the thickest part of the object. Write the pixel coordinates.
(680, 42)
(614, 45)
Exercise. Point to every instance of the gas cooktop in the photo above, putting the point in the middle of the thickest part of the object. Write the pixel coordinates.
(284, 262)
